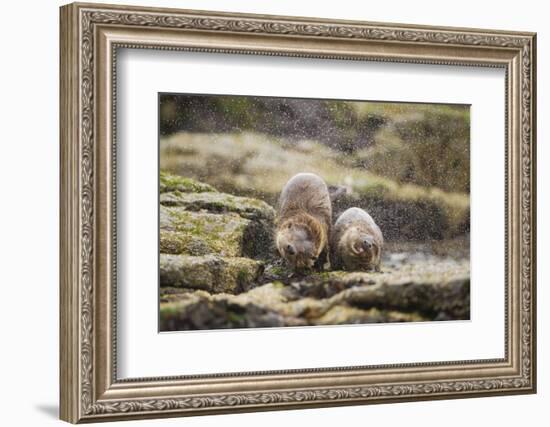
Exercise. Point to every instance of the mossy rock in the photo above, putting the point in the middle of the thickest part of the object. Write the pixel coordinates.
(433, 286)
(271, 305)
(200, 233)
(442, 300)
(422, 282)
(264, 306)
(344, 314)
(428, 147)
(210, 272)
(332, 298)
(246, 207)
(169, 182)
(201, 312)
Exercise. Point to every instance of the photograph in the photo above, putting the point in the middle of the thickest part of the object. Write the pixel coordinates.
(281, 212)
(268, 212)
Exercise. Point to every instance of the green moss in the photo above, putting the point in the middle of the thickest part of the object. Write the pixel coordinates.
(199, 233)
(278, 270)
(242, 276)
(169, 309)
(330, 275)
(212, 273)
(219, 203)
(184, 243)
(235, 318)
(169, 182)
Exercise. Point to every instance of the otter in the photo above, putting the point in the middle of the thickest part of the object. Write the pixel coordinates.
(356, 242)
(303, 222)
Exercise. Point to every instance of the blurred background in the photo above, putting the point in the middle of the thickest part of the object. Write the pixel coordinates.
(407, 164)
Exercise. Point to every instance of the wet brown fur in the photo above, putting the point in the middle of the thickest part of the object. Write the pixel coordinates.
(318, 231)
(305, 202)
(343, 238)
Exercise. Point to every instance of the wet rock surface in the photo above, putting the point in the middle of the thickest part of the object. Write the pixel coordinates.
(219, 203)
(201, 233)
(209, 272)
(219, 269)
(169, 182)
(195, 219)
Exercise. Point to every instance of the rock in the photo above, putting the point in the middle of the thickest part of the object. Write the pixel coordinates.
(279, 298)
(343, 314)
(218, 270)
(201, 233)
(172, 294)
(213, 222)
(431, 286)
(405, 149)
(270, 305)
(328, 284)
(210, 272)
(169, 182)
(319, 300)
(182, 243)
(246, 207)
(277, 270)
(200, 310)
(449, 300)
(264, 306)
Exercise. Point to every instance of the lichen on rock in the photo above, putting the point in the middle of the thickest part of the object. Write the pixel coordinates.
(209, 272)
(344, 314)
(204, 313)
(169, 182)
(219, 203)
(201, 233)
(324, 299)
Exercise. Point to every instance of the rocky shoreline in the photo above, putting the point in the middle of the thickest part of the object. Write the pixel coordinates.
(219, 269)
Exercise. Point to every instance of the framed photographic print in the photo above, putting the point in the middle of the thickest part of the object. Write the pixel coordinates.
(265, 212)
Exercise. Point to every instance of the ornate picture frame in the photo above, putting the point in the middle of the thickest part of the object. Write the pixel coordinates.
(90, 37)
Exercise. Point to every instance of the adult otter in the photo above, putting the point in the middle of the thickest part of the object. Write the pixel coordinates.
(356, 242)
(303, 222)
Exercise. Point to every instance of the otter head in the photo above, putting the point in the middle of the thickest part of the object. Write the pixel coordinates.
(359, 250)
(297, 245)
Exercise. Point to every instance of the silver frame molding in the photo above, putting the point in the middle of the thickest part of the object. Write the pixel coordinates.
(90, 37)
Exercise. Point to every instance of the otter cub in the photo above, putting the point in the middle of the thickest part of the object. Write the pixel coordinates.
(303, 222)
(356, 242)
